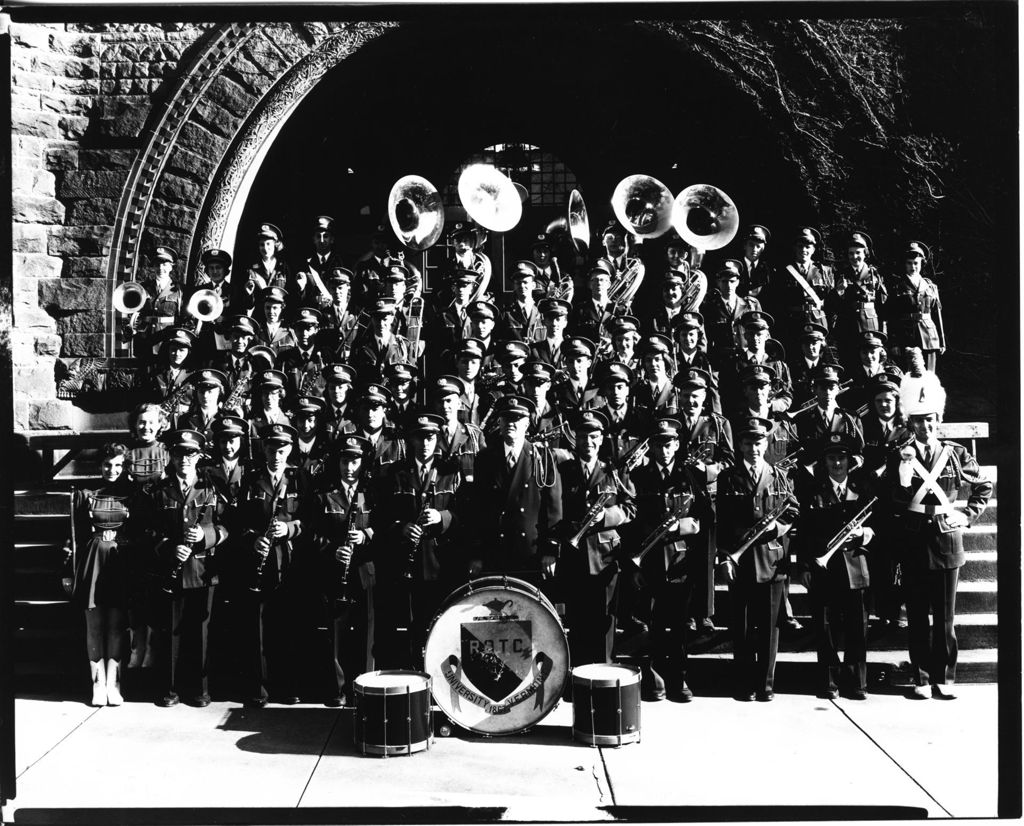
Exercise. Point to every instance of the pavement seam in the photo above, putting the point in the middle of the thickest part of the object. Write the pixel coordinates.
(893, 759)
(62, 739)
(607, 780)
(319, 757)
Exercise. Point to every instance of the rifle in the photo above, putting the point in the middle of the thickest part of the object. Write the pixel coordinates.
(837, 541)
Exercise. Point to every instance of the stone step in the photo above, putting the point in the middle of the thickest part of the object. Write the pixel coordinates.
(28, 555)
(971, 597)
(40, 584)
(36, 502)
(980, 565)
(42, 527)
(981, 537)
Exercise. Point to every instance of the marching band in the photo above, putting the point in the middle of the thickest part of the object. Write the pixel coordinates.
(331, 451)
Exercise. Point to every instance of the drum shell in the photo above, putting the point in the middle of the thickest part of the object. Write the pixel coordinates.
(468, 604)
(606, 709)
(393, 719)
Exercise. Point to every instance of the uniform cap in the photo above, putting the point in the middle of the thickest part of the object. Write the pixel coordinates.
(827, 373)
(229, 426)
(272, 378)
(461, 275)
(383, 306)
(839, 443)
(511, 350)
(513, 407)
(277, 294)
(757, 374)
(673, 277)
(397, 371)
(471, 347)
(540, 241)
(310, 404)
(655, 343)
(448, 386)
(270, 231)
(884, 383)
(579, 346)
(525, 269)
(756, 319)
(179, 335)
(538, 372)
(617, 325)
(482, 309)
(185, 440)
(349, 444)
(731, 268)
(209, 378)
(688, 321)
(340, 275)
(759, 232)
(666, 429)
(756, 427)
(805, 235)
(921, 395)
(554, 306)
(590, 421)
(810, 332)
(613, 228)
(283, 434)
(397, 273)
(692, 378)
(308, 316)
(339, 374)
(872, 340)
(220, 256)
(374, 394)
(859, 238)
(602, 266)
(612, 371)
(242, 324)
(324, 222)
(165, 254)
(423, 423)
(917, 248)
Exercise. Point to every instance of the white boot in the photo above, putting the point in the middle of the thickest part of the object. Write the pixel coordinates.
(114, 697)
(99, 683)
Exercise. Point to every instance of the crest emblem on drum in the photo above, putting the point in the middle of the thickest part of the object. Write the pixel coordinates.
(497, 654)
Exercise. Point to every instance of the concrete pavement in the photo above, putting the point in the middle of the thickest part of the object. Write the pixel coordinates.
(937, 757)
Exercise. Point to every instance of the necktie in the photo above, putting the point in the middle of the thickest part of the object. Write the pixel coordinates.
(928, 455)
(753, 474)
(511, 461)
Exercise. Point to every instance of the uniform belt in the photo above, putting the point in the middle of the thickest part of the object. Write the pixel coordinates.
(931, 510)
(912, 316)
(863, 305)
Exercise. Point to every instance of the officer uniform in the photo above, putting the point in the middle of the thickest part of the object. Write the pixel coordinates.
(458, 442)
(588, 317)
(303, 366)
(166, 381)
(620, 329)
(656, 400)
(310, 452)
(860, 298)
(171, 506)
(662, 319)
(222, 288)
(736, 362)
(913, 314)
(273, 273)
(588, 566)
(277, 336)
(386, 444)
(721, 316)
(801, 368)
(549, 350)
(756, 273)
(628, 424)
(789, 297)
(782, 439)
(838, 585)
(340, 322)
(202, 420)
(759, 574)
(262, 417)
(318, 265)
(568, 396)
(336, 416)
(370, 354)
(523, 321)
(696, 360)
(816, 425)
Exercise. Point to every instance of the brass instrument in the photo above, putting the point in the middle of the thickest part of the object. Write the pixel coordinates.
(592, 516)
(204, 305)
(416, 212)
(813, 402)
(643, 205)
(705, 218)
(128, 299)
(547, 435)
(837, 541)
(179, 564)
(681, 509)
(754, 531)
(233, 402)
(788, 462)
(629, 460)
(489, 197)
(175, 398)
(704, 453)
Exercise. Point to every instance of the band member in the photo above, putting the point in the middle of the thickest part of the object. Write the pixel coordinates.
(98, 551)
(276, 334)
(449, 323)
(520, 316)
(215, 276)
(458, 442)
(756, 329)
(311, 278)
(371, 267)
(234, 363)
(547, 419)
(860, 296)
(393, 286)
(162, 307)
(483, 316)
(340, 525)
(671, 503)
(556, 318)
(338, 381)
(168, 382)
(516, 499)
(615, 241)
(673, 283)
(467, 238)
(756, 505)
(181, 519)
(270, 389)
(416, 561)
(401, 380)
(311, 448)
(923, 482)
(369, 420)
(596, 502)
(913, 311)
(707, 449)
(549, 277)
(724, 307)
(576, 392)
(802, 292)
(627, 424)
(757, 381)
(340, 320)
(654, 393)
(225, 466)
(379, 345)
(209, 390)
(510, 356)
(271, 509)
(813, 353)
(872, 362)
(756, 270)
(836, 572)
(469, 356)
(687, 332)
(624, 332)
(303, 362)
(594, 308)
(270, 270)
(816, 425)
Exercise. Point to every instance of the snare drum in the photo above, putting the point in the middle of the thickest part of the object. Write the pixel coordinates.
(606, 704)
(393, 712)
(497, 655)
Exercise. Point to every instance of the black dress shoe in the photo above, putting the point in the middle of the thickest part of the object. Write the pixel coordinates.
(168, 700)
(201, 701)
(708, 624)
(765, 696)
(681, 694)
(793, 624)
(334, 702)
(652, 695)
(857, 694)
(829, 694)
(691, 624)
(745, 697)
(256, 702)
(290, 700)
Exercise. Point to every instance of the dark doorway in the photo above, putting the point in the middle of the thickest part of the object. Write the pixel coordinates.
(608, 99)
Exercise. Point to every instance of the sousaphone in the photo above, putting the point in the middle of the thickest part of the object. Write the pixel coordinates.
(705, 218)
(643, 205)
(489, 197)
(416, 212)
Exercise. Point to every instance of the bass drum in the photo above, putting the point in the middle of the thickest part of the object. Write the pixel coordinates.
(497, 656)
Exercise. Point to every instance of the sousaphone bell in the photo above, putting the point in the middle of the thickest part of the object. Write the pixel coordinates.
(416, 212)
(643, 205)
(573, 224)
(129, 297)
(489, 197)
(705, 218)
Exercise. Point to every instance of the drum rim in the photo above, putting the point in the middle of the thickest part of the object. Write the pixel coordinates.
(606, 682)
(393, 689)
(529, 589)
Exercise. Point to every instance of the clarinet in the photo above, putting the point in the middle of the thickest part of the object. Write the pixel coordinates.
(179, 564)
(267, 534)
(346, 563)
(428, 498)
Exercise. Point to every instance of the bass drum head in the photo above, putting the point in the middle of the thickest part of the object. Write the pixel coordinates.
(497, 656)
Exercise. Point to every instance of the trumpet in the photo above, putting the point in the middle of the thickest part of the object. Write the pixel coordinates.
(704, 453)
(629, 460)
(592, 516)
(681, 509)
